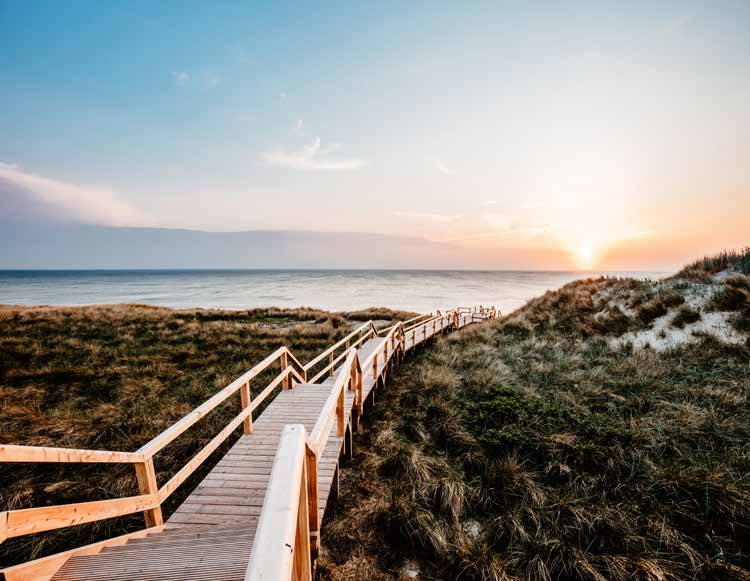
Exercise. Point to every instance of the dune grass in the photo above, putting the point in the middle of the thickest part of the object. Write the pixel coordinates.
(529, 448)
(113, 377)
(737, 260)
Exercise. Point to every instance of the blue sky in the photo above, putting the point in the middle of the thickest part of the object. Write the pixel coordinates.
(497, 125)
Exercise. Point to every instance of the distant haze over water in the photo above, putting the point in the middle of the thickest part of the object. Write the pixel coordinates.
(335, 290)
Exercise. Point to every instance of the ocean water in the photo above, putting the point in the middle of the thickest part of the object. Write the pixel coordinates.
(337, 290)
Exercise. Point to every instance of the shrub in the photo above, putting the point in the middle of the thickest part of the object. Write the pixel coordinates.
(685, 315)
(729, 298)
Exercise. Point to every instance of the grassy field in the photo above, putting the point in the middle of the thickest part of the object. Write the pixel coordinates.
(600, 432)
(114, 377)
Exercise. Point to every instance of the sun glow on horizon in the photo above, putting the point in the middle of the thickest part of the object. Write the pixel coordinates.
(585, 255)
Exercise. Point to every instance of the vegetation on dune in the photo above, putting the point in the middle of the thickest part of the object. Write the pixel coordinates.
(377, 314)
(736, 260)
(113, 377)
(537, 447)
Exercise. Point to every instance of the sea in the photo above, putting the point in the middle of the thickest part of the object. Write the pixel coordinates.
(335, 290)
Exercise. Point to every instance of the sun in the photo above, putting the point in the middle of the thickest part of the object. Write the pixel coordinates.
(585, 254)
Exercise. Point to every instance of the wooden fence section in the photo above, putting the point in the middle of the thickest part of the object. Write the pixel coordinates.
(268, 493)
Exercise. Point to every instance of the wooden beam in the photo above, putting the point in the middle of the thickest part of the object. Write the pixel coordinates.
(320, 431)
(185, 472)
(272, 556)
(146, 476)
(247, 423)
(321, 356)
(311, 459)
(35, 520)
(302, 549)
(284, 364)
(157, 443)
(12, 453)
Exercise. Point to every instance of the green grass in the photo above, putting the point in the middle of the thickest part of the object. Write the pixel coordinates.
(528, 448)
(114, 377)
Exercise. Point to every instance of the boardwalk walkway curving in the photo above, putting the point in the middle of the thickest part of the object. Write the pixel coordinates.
(257, 513)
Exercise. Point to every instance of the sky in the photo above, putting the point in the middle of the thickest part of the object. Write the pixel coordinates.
(608, 135)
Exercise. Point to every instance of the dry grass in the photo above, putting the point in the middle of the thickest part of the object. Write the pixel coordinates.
(530, 449)
(738, 260)
(685, 316)
(114, 377)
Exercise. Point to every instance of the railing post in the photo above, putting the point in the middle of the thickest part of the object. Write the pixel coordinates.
(247, 423)
(375, 371)
(361, 403)
(285, 384)
(340, 414)
(330, 363)
(353, 386)
(302, 554)
(146, 475)
(311, 461)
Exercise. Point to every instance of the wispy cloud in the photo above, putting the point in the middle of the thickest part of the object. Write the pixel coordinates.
(497, 221)
(430, 217)
(69, 201)
(181, 77)
(440, 166)
(205, 79)
(311, 157)
(211, 79)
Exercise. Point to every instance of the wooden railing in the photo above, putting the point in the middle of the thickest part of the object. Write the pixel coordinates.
(294, 475)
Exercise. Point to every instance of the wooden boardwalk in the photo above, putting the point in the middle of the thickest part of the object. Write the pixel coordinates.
(256, 515)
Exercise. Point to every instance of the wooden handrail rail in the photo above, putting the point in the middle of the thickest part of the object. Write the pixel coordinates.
(319, 433)
(277, 538)
(370, 358)
(422, 324)
(388, 329)
(332, 364)
(157, 443)
(335, 346)
(185, 472)
(295, 360)
(12, 453)
(27, 521)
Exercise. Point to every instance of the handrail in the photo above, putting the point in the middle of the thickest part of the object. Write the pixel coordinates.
(278, 546)
(333, 361)
(217, 440)
(423, 323)
(350, 375)
(386, 329)
(12, 453)
(157, 443)
(371, 357)
(334, 404)
(336, 345)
